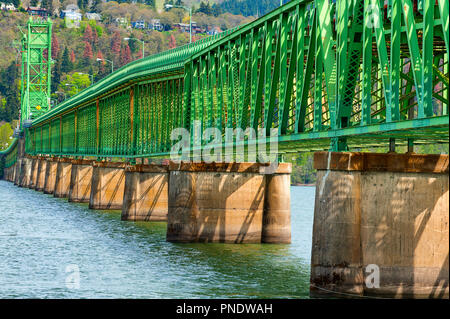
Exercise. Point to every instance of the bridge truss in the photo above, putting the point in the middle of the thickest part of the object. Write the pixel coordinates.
(325, 74)
(36, 70)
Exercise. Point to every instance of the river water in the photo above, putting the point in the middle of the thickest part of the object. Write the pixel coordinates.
(50, 248)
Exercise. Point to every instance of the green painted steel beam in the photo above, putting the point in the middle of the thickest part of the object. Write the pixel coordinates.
(324, 76)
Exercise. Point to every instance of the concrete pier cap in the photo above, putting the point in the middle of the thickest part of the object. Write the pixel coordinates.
(228, 203)
(146, 196)
(381, 225)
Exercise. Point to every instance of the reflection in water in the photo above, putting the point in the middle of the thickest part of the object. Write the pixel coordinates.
(40, 236)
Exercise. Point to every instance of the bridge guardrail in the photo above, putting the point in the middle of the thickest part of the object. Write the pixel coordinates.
(10, 154)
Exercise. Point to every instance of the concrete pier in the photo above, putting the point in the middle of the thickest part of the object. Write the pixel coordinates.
(8, 173)
(34, 172)
(224, 202)
(41, 170)
(25, 172)
(17, 169)
(62, 178)
(13, 172)
(146, 193)
(381, 216)
(50, 175)
(80, 181)
(108, 184)
(276, 226)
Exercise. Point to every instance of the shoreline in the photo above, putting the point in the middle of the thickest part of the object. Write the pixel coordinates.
(307, 185)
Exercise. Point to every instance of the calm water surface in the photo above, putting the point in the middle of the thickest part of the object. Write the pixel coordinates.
(43, 239)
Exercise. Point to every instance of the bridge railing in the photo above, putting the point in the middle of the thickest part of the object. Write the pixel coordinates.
(352, 73)
(9, 156)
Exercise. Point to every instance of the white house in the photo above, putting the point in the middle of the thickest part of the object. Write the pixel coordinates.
(71, 15)
(93, 16)
(7, 6)
(121, 22)
(155, 24)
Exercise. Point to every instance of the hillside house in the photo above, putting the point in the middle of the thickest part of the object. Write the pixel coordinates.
(214, 31)
(93, 16)
(155, 24)
(72, 15)
(37, 12)
(182, 27)
(121, 22)
(7, 6)
(138, 24)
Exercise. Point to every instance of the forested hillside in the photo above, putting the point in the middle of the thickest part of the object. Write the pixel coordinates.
(250, 7)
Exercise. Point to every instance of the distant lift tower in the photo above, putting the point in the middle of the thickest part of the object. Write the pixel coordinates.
(36, 70)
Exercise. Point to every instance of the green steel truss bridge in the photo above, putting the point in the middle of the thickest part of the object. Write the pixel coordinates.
(325, 74)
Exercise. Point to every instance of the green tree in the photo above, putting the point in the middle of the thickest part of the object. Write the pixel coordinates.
(9, 88)
(56, 75)
(302, 168)
(205, 8)
(133, 44)
(66, 64)
(6, 133)
(96, 6)
(74, 83)
(16, 3)
(249, 7)
(47, 4)
(83, 4)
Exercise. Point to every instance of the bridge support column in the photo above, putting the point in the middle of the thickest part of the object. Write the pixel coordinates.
(13, 173)
(25, 172)
(17, 169)
(80, 181)
(34, 171)
(381, 216)
(50, 175)
(276, 228)
(41, 171)
(8, 174)
(62, 178)
(227, 202)
(146, 193)
(108, 184)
